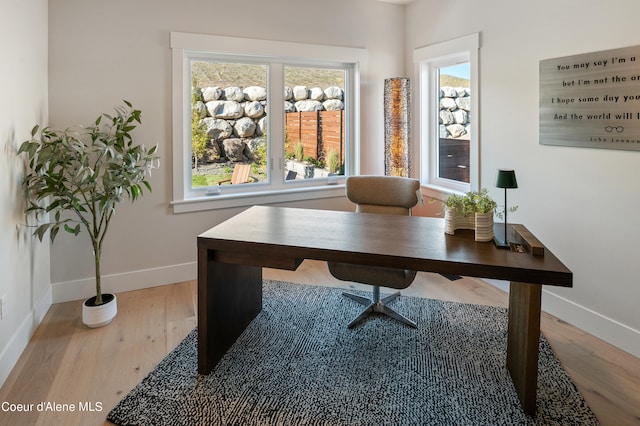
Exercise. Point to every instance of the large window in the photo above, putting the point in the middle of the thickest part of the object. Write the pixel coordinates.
(257, 121)
(448, 114)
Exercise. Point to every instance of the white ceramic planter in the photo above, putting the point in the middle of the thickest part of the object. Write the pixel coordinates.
(482, 223)
(453, 221)
(99, 316)
(484, 227)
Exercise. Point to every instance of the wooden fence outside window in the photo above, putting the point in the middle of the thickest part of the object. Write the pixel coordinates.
(319, 131)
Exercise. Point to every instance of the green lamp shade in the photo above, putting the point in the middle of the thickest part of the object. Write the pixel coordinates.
(506, 179)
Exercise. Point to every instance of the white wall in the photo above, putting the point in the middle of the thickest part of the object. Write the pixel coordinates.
(582, 203)
(102, 52)
(24, 265)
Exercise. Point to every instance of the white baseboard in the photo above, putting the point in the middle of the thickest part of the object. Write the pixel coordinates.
(605, 328)
(602, 327)
(10, 353)
(126, 281)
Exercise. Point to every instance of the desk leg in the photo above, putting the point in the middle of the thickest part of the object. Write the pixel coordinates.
(229, 298)
(523, 340)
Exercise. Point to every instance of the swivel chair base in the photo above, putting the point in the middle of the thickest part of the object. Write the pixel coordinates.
(377, 305)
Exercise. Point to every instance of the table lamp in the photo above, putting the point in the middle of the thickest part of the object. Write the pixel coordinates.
(506, 179)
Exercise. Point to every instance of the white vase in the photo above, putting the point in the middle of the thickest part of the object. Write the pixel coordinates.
(101, 315)
(484, 226)
(449, 221)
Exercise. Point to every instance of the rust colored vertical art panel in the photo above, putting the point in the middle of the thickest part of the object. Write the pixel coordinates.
(397, 105)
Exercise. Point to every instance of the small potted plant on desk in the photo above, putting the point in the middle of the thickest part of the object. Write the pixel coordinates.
(473, 210)
(76, 177)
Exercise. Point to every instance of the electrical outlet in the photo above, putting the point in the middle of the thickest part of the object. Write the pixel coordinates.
(3, 306)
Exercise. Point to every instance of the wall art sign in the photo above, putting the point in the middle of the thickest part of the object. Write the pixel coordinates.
(591, 100)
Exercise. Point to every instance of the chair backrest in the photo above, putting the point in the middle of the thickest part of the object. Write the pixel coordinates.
(383, 194)
(240, 173)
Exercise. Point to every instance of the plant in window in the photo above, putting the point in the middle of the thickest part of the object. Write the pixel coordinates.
(314, 162)
(333, 161)
(75, 179)
(199, 136)
(260, 158)
(298, 151)
(287, 141)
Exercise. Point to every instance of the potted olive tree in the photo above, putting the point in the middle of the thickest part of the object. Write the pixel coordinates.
(76, 177)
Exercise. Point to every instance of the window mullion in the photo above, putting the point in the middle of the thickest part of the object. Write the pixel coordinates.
(275, 122)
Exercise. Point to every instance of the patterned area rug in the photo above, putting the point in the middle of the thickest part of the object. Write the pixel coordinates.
(298, 364)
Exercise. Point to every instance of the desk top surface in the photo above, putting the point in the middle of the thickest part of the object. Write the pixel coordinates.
(407, 242)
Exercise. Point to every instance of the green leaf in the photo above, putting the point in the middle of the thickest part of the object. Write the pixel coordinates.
(74, 231)
(33, 208)
(25, 147)
(53, 205)
(41, 230)
(54, 232)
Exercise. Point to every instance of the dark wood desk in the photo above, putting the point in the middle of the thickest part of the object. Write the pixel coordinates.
(231, 257)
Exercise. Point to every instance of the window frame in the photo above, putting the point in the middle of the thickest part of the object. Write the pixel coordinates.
(277, 55)
(427, 61)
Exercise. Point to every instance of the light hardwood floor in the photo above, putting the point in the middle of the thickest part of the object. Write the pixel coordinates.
(66, 363)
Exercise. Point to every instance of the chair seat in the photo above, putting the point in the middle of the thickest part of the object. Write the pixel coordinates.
(372, 275)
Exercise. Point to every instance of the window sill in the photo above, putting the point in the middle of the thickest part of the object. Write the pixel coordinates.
(225, 201)
(436, 192)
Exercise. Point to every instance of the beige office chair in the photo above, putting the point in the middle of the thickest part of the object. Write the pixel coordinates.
(385, 195)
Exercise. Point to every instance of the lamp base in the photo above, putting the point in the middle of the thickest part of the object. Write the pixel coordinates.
(501, 243)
